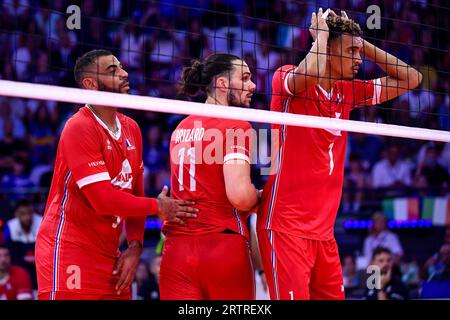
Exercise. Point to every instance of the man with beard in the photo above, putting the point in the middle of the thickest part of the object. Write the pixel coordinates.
(300, 201)
(209, 258)
(97, 183)
(390, 283)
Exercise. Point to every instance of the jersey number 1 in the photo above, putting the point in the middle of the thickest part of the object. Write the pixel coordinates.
(191, 155)
(330, 153)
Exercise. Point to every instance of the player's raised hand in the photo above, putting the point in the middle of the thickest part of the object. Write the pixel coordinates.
(175, 210)
(319, 23)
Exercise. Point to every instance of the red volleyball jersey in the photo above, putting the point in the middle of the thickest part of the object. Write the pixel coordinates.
(302, 198)
(73, 239)
(198, 148)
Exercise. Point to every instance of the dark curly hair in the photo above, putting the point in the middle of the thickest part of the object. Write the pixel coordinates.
(338, 26)
(200, 75)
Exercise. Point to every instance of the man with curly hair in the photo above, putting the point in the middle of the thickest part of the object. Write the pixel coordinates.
(300, 201)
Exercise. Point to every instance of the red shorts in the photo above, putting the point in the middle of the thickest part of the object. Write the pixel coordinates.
(67, 295)
(301, 269)
(206, 267)
(73, 270)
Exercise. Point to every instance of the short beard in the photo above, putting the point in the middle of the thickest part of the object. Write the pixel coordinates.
(103, 87)
(233, 102)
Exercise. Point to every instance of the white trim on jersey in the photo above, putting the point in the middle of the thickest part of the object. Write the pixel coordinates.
(102, 176)
(119, 126)
(376, 91)
(327, 94)
(236, 156)
(286, 85)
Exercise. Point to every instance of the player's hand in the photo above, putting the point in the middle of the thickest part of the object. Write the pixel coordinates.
(175, 210)
(319, 24)
(126, 266)
(344, 15)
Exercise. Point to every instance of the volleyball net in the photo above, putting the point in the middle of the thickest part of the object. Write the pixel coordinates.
(154, 40)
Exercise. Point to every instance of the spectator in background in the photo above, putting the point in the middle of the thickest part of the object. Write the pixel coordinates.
(355, 181)
(152, 150)
(22, 57)
(18, 178)
(196, 43)
(380, 236)
(438, 282)
(42, 168)
(433, 263)
(132, 46)
(145, 286)
(162, 177)
(391, 285)
(367, 147)
(218, 15)
(441, 270)
(443, 154)
(42, 73)
(436, 176)
(391, 172)
(15, 282)
(42, 132)
(20, 236)
(24, 226)
(8, 72)
(11, 147)
(353, 278)
(155, 268)
(17, 125)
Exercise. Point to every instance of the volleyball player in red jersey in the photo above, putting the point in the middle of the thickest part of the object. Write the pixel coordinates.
(300, 201)
(209, 258)
(97, 183)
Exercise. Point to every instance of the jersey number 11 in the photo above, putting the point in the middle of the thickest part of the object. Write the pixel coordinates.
(191, 155)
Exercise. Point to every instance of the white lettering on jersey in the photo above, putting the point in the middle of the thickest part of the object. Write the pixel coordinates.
(96, 163)
(124, 178)
(188, 135)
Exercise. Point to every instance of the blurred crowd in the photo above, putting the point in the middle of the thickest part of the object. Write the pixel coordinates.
(155, 39)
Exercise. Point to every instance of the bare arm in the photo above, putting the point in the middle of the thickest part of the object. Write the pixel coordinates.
(400, 76)
(238, 186)
(313, 66)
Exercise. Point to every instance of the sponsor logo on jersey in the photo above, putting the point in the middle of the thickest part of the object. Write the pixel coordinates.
(125, 177)
(96, 163)
(129, 145)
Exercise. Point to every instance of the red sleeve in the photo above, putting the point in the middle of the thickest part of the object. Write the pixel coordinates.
(81, 146)
(22, 283)
(135, 226)
(238, 142)
(280, 89)
(108, 201)
(359, 93)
